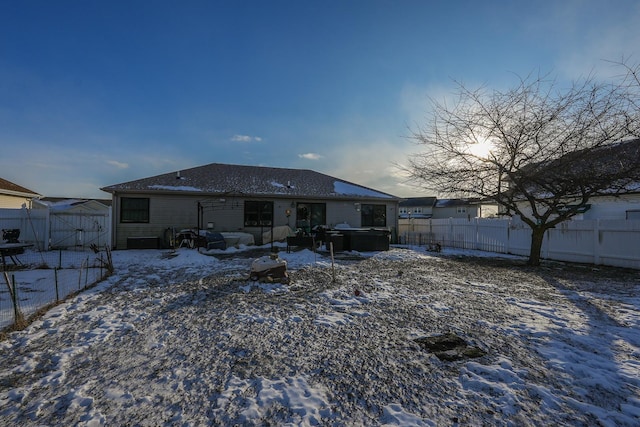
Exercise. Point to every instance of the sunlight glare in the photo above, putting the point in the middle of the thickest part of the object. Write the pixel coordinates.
(480, 149)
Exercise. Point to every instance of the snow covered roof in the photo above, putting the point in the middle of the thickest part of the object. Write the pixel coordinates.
(8, 187)
(60, 204)
(418, 201)
(608, 169)
(225, 179)
(446, 203)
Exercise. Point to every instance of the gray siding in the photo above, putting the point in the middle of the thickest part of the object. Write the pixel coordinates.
(452, 212)
(168, 211)
(165, 212)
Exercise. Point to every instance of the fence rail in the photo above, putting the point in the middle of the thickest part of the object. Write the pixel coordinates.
(599, 242)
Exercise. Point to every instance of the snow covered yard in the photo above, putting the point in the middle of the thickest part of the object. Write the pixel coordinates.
(187, 340)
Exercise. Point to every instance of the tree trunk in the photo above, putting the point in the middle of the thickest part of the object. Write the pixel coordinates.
(537, 236)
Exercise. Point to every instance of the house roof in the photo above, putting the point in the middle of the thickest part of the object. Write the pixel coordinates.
(418, 201)
(225, 179)
(446, 203)
(611, 168)
(9, 188)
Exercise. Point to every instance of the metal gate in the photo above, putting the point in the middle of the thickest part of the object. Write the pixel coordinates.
(78, 230)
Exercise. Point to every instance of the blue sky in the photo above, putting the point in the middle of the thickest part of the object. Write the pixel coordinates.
(94, 93)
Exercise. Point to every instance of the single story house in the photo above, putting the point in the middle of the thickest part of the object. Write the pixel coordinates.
(623, 206)
(416, 207)
(238, 198)
(608, 178)
(14, 196)
(620, 206)
(464, 208)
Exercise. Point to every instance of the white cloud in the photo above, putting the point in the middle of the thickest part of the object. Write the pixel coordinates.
(118, 164)
(310, 156)
(246, 138)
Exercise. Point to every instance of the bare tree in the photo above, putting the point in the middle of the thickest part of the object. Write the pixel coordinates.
(538, 151)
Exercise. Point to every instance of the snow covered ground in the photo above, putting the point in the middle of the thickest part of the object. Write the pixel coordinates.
(187, 340)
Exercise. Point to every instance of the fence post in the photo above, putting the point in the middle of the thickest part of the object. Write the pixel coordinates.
(333, 267)
(476, 238)
(14, 296)
(596, 242)
(86, 273)
(55, 275)
(545, 245)
(46, 238)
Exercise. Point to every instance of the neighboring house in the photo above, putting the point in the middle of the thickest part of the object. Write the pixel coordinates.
(463, 208)
(623, 206)
(431, 207)
(416, 207)
(249, 199)
(77, 223)
(620, 200)
(14, 196)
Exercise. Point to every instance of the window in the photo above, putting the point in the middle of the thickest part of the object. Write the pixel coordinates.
(633, 214)
(258, 214)
(134, 209)
(309, 215)
(374, 216)
(461, 209)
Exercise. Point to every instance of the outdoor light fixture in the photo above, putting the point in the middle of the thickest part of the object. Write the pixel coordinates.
(357, 206)
(287, 212)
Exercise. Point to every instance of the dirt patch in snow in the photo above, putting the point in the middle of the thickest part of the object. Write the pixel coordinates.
(449, 347)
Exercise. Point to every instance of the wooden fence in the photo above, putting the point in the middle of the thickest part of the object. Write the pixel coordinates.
(600, 242)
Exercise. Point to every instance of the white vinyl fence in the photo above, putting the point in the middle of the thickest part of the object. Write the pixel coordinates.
(32, 223)
(47, 229)
(600, 242)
